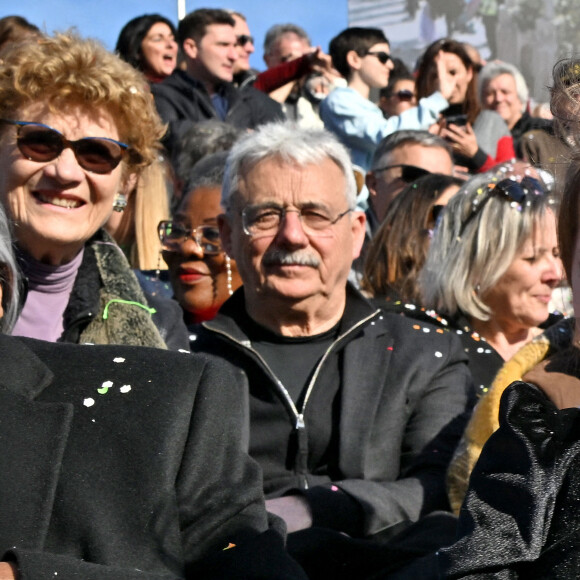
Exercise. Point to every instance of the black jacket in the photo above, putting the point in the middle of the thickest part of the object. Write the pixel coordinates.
(182, 101)
(403, 390)
(126, 463)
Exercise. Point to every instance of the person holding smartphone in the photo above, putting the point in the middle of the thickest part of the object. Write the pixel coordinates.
(480, 138)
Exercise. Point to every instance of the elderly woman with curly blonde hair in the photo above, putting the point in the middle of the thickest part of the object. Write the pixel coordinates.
(77, 126)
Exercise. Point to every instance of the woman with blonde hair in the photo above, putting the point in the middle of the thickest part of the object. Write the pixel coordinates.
(77, 128)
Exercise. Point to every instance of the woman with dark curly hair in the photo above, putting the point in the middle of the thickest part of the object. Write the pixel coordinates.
(148, 43)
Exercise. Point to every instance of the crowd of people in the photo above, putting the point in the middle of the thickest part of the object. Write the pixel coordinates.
(309, 322)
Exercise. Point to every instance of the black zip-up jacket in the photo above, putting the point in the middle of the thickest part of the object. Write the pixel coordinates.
(403, 390)
(182, 101)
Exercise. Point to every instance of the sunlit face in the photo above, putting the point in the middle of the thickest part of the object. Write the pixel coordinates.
(521, 296)
(244, 49)
(385, 185)
(461, 76)
(214, 55)
(372, 71)
(56, 206)
(200, 283)
(288, 47)
(500, 95)
(159, 51)
(290, 266)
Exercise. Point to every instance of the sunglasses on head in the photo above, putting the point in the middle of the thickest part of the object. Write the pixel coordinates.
(384, 57)
(404, 95)
(510, 190)
(41, 143)
(243, 39)
(409, 173)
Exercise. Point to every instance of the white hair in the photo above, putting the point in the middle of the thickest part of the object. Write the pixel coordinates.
(291, 144)
(496, 68)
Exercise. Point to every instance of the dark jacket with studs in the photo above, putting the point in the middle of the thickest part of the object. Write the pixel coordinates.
(108, 306)
(401, 404)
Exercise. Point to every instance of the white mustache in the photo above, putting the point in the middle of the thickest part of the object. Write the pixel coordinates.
(279, 257)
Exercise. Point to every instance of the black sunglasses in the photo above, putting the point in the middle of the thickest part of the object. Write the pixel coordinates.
(409, 173)
(515, 192)
(41, 143)
(243, 39)
(384, 57)
(404, 95)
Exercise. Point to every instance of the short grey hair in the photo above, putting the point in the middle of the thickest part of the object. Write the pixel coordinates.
(9, 277)
(496, 68)
(475, 243)
(408, 137)
(201, 139)
(291, 144)
(207, 172)
(276, 32)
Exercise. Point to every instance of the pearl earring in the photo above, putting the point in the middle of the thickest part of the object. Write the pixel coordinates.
(229, 275)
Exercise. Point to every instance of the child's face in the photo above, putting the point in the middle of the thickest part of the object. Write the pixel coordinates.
(372, 71)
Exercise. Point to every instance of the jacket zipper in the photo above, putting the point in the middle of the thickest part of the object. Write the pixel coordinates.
(299, 422)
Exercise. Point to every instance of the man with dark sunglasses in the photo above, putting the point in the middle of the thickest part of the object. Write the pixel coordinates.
(363, 57)
(399, 160)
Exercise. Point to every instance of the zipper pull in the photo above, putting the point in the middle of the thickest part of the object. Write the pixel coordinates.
(300, 422)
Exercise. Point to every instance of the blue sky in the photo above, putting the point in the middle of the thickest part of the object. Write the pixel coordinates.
(103, 19)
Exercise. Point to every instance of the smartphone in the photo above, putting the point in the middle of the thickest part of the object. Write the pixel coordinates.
(459, 120)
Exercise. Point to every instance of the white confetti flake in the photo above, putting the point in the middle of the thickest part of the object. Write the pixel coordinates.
(426, 330)
(438, 354)
(107, 385)
(125, 388)
(119, 359)
(480, 350)
(183, 350)
(89, 402)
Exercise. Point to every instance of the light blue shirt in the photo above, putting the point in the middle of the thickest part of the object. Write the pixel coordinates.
(360, 125)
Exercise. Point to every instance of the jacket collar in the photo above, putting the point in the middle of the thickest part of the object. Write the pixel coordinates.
(230, 318)
(22, 371)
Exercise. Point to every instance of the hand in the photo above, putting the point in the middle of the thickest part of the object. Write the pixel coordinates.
(446, 81)
(293, 509)
(7, 571)
(321, 63)
(463, 139)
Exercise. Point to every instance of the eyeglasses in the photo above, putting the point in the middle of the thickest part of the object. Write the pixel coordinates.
(41, 143)
(173, 234)
(409, 173)
(260, 221)
(511, 190)
(404, 95)
(384, 57)
(244, 39)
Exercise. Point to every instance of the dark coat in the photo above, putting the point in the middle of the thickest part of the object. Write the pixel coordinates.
(146, 479)
(108, 306)
(520, 515)
(403, 390)
(182, 101)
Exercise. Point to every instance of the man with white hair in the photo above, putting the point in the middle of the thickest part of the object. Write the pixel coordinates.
(503, 89)
(354, 413)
